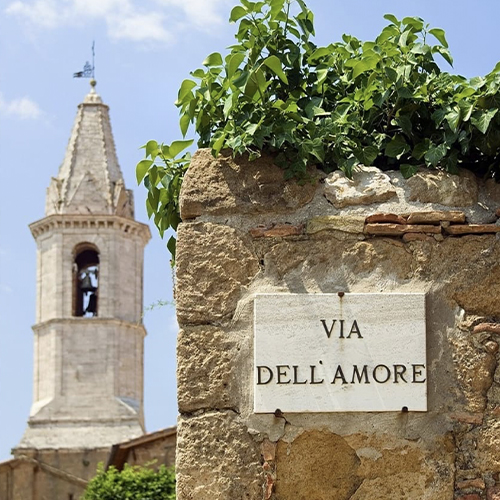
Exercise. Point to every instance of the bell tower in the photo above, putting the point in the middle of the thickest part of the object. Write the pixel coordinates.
(88, 336)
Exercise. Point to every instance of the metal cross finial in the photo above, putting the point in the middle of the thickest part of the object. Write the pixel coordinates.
(88, 70)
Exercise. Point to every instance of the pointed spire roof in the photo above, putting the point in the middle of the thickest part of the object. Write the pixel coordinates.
(90, 180)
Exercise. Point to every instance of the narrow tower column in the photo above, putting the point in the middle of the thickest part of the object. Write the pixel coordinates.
(88, 352)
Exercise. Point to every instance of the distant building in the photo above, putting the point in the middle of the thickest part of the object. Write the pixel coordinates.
(88, 336)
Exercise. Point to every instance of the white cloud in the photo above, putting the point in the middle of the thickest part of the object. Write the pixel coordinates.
(140, 27)
(155, 21)
(43, 13)
(201, 13)
(23, 108)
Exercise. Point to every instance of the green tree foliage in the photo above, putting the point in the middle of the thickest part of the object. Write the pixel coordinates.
(132, 483)
(384, 102)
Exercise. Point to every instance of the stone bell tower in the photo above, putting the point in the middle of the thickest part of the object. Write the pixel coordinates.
(88, 352)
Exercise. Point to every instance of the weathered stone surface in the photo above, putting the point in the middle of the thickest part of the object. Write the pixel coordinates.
(225, 185)
(391, 218)
(214, 263)
(316, 466)
(206, 369)
(492, 191)
(471, 496)
(488, 444)
(431, 186)
(345, 223)
(435, 217)
(493, 493)
(357, 456)
(368, 185)
(407, 237)
(217, 459)
(392, 467)
(277, 231)
(491, 346)
(468, 418)
(474, 370)
(472, 228)
(399, 229)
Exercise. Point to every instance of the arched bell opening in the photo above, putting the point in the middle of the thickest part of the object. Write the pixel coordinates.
(86, 281)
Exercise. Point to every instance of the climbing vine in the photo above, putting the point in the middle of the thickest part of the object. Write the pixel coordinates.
(384, 102)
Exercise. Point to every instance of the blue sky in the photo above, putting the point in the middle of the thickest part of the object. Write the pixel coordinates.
(143, 52)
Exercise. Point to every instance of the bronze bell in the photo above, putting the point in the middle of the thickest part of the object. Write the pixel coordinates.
(86, 284)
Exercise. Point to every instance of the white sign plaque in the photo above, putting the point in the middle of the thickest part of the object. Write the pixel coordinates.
(340, 352)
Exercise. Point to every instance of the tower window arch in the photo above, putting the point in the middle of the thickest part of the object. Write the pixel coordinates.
(86, 280)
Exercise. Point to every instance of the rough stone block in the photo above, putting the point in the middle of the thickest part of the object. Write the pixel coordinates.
(399, 229)
(432, 186)
(344, 223)
(225, 185)
(217, 459)
(368, 185)
(214, 263)
(407, 237)
(277, 231)
(315, 466)
(493, 493)
(206, 369)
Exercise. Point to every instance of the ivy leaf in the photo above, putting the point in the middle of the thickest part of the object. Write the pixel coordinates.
(142, 169)
(366, 64)
(171, 245)
(237, 13)
(214, 59)
(481, 120)
(274, 64)
(367, 155)
(453, 119)
(184, 91)
(392, 18)
(184, 124)
(151, 149)
(396, 147)
(234, 61)
(435, 154)
(440, 35)
(177, 146)
(408, 170)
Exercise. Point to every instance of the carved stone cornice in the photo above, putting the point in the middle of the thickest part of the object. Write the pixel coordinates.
(60, 222)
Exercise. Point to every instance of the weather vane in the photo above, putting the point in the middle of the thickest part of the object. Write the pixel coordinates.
(88, 70)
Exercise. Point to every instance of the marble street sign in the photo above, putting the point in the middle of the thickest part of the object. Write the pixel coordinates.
(340, 352)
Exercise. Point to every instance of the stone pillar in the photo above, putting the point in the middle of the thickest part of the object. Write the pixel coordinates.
(248, 231)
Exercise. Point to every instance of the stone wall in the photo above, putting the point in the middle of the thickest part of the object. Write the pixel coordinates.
(247, 231)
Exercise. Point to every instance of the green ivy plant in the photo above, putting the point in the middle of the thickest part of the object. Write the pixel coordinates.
(384, 102)
(131, 483)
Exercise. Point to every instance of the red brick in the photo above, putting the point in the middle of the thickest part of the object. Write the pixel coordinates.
(435, 217)
(487, 327)
(472, 229)
(471, 483)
